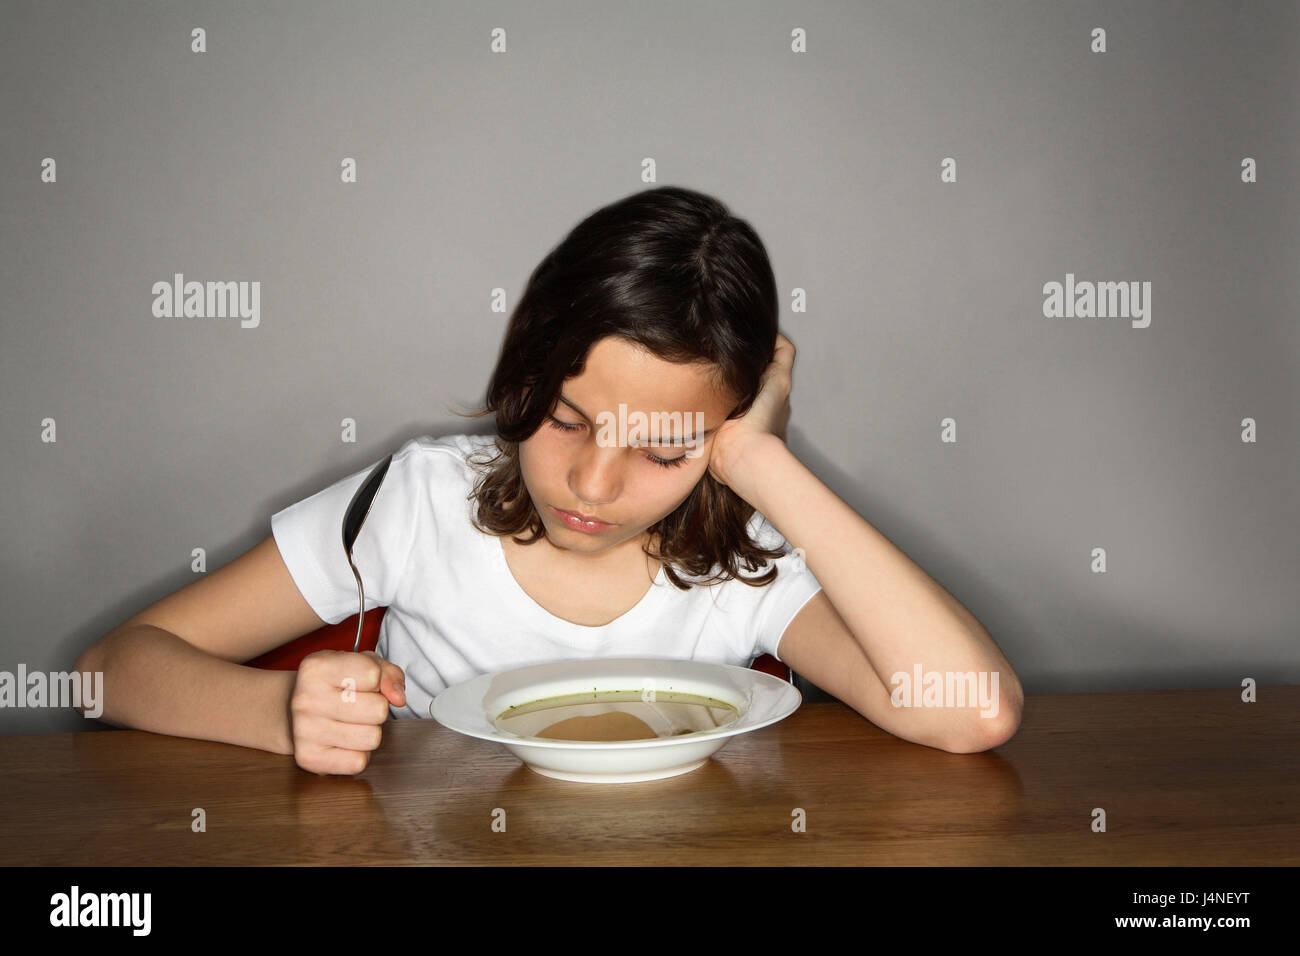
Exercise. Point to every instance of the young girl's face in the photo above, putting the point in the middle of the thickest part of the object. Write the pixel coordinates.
(625, 486)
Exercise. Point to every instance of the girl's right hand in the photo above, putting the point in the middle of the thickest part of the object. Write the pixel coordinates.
(339, 702)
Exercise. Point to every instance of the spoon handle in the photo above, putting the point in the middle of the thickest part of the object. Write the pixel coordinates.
(361, 602)
(353, 519)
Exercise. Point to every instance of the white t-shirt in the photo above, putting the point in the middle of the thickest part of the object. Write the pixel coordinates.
(455, 609)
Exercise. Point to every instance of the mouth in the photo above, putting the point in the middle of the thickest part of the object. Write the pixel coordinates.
(581, 522)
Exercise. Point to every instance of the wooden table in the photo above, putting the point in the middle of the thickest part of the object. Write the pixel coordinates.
(1185, 777)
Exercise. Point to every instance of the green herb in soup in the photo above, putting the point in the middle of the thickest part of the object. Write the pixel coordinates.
(616, 715)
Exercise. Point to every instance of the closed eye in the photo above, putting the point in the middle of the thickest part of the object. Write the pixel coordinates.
(653, 459)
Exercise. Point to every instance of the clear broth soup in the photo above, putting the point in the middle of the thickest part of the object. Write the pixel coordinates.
(616, 715)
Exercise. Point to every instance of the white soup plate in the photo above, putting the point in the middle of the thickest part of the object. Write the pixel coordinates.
(471, 707)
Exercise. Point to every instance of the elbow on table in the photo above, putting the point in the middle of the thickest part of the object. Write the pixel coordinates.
(89, 662)
(988, 733)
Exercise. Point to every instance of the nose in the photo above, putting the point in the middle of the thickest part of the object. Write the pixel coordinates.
(596, 477)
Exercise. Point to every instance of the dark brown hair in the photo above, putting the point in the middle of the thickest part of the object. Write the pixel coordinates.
(674, 271)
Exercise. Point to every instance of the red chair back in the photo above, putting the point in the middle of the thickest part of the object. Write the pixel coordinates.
(330, 637)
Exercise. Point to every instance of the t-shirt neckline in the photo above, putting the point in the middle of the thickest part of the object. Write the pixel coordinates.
(547, 619)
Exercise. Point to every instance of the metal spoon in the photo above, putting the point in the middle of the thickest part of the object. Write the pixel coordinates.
(353, 519)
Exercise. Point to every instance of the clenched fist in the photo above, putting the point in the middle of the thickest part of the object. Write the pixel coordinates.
(339, 703)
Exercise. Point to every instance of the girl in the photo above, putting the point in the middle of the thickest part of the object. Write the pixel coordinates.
(576, 530)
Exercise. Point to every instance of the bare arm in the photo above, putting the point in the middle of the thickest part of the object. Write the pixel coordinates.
(897, 615)
(173, 668)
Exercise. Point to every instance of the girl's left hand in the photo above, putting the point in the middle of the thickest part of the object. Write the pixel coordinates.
(767, 416)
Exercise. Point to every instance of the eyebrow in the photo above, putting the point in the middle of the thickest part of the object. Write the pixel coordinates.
(671, 441)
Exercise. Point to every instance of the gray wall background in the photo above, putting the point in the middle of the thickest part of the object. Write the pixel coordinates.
(925, 298)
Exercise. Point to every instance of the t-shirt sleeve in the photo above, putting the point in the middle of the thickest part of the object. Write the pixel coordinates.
(309, 535)
(772, 608)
